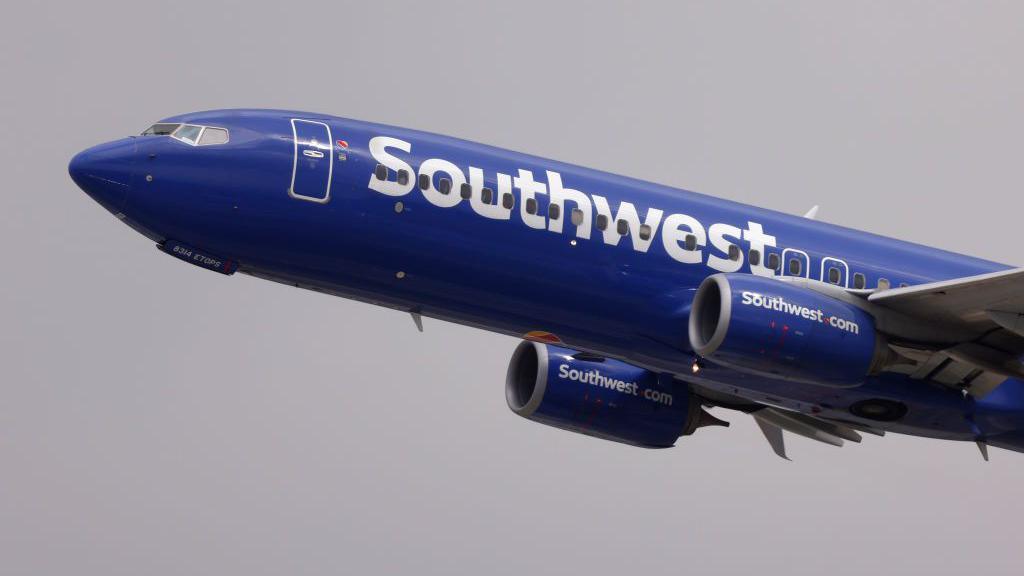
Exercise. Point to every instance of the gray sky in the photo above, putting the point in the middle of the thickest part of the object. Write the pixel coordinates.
(156, 418)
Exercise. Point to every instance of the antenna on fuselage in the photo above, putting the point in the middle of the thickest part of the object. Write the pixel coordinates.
(812, 214)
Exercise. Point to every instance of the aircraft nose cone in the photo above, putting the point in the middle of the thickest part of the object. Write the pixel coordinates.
(105, 172)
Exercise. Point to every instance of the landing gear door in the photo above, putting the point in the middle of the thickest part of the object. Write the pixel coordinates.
(314, 159)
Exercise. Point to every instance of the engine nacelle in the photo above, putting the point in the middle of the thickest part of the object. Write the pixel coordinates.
(599, 397)
(777, 329)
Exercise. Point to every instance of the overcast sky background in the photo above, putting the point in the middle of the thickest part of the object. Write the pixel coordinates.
(156, 418)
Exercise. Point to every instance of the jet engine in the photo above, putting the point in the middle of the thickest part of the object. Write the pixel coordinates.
(781, 330)
(600, 397)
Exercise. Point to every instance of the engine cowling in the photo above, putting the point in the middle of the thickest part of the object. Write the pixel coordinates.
(600, 397)
(781, 330)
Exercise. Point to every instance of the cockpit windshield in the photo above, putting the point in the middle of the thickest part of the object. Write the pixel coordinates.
(191, 134)
(188, 133)
(160, 129)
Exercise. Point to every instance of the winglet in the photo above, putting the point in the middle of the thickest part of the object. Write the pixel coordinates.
(812, 214)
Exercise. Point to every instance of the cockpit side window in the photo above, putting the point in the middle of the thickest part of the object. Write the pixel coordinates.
(188, 133)
(212, 136)
(161, 129)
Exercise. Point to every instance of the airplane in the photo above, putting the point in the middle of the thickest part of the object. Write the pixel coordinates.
(638, 306)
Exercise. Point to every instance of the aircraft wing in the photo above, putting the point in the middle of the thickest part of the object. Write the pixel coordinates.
(986, 311)
(978, 303)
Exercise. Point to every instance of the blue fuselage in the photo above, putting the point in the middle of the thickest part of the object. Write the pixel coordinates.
(322, 203)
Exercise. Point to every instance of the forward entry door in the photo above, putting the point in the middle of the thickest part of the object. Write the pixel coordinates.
(314, 161)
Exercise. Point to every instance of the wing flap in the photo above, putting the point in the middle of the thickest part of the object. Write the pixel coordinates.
(772, 421)
(773, 434)
(986, 311)
(790, 422)
(1012, 321)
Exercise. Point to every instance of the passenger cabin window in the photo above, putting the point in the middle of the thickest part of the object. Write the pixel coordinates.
(444, 186)
(403, 176)
(734, 252)
(833, 275)
(531, 205)
(859, 282)
(380, 172)
(755, 257)
(774, 262)
(554, 211)
(424, 181)
(508, 200)
(577, 217)
(213, 136)
(645, 232)
(466, 190)
(622, 227)
(486, 195)
(691, 242)
(883, 284)
(602, 222)
(161, 129)
(795, 267)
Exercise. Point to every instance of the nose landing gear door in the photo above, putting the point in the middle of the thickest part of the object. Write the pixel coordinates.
(313, 166)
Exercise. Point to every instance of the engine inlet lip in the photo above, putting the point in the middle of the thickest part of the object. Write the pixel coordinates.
(713, 286)
(514, 382)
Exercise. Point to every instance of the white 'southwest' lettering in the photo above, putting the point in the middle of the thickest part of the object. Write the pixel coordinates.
(579, 208)
(754, 234)
(677, 227)
(379, 150)
(559, 196)
(595, 378)
(529, 189)
(431, 193)
(627, 213)
(494, 209)
(779, 304)
(720, 239)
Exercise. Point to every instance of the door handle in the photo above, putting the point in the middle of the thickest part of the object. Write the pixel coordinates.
(313, 153)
